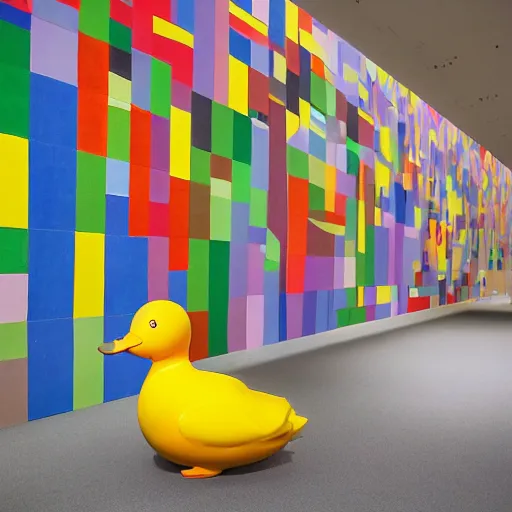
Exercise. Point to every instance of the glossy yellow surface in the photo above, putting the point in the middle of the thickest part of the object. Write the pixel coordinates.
(204, 420)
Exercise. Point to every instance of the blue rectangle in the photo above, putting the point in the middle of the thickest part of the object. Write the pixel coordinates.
(399, 203)
(240, 222)
(382, 311)
(239, 47)
(277, 29)
(333, 316)
(126, 274)
(124, 373)
(271, 308)
(309, 314)
(185, 16)
(50, 367)
(317, 146)
(246, 5)
(15, 16)
(282, 317)
(381, 261)
(178, 287)
(141, 79)
(52, 198)
(322, 311)
(116, 222)
(339, 299)
(53, 108)
(51, 263)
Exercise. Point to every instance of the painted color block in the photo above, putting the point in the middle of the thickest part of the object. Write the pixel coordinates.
(89, 286)
(125, 285)
(94, 19)
(54, 51)
(51, 264)
(13, 298)
(14, 178)
(87, 362)
(14, 100)
(50, 367)
(13, 341)
(90, 193)
(118, 146)
(53, 108)
(53, 186)
(13, 392)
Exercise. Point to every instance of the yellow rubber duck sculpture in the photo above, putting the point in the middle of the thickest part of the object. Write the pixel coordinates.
(201, 420)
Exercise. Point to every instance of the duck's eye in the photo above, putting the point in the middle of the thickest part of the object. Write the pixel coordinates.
(152, 324)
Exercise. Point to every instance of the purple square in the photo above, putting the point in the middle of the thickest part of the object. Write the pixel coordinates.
(53, 51)
(181, 96)
(160, 143)
(370, 296)
(319, 273)
(159, 186)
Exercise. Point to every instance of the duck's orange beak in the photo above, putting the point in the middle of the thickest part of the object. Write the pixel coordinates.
(120, 345)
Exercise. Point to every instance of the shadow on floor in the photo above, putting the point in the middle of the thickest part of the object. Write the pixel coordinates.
(279, 459)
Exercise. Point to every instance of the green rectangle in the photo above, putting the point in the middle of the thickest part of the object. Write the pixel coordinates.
(316, 198)
(218, 298)
(222, 130)
(14, 100)
(120, 36)
(242, 138)
(220, 218)
(330, 91)
(352, 163)
(342, 317)
(118, 146)
(200, 166)
(357, 316)
(88, 388)
(161, 88)
(351, 295)
(297, 162)
(318, 93)
(241, 183)
(94, 19)
(13, 251)
(13, 341)
(198, 275)
(258, 208)
(370, 256)
(90, 193)
(14, 45)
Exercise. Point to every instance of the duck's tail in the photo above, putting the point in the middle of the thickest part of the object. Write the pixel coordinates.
(298, 423)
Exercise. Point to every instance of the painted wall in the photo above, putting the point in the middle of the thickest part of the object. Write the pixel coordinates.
(235, 157)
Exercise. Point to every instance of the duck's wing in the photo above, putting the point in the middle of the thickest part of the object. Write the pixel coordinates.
(236, 420)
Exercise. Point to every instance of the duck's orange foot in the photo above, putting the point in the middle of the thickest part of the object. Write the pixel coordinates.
(198, 472)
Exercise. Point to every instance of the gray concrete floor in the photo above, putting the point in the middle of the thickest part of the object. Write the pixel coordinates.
(417, 420)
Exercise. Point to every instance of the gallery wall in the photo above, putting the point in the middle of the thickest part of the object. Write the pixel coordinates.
(235, 157)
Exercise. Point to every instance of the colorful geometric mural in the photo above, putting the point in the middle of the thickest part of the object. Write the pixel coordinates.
(234, 156)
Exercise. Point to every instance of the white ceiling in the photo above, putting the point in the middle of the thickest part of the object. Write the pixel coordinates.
(455, 54)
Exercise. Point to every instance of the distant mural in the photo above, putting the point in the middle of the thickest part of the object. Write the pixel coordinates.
(234, 156)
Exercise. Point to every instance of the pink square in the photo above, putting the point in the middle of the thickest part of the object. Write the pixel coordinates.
(13, 298)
